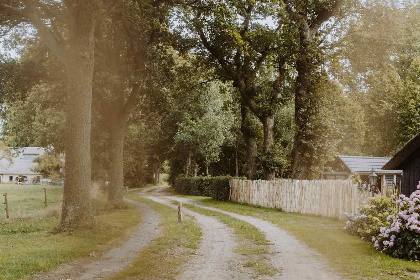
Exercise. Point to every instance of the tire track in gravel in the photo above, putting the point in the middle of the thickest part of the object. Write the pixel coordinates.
(215, 259)
(295, 260)
(114, 260)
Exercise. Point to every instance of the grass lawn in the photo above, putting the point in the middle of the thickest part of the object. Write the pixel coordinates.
(162, 259)
(355, 258)
(28, 243)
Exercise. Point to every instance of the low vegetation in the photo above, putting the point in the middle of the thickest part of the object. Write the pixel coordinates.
(371, 217)
(401, 239)
(28, 240)
(355, 258)
(163, 258)
(215, 187)
(253, 245)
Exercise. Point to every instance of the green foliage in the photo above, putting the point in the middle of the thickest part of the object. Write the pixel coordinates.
(217, 188)
(385, 88)
(371, 217)
(204, 134)
(409, 103)
(38, 120)
(377, 74)
(50, 165)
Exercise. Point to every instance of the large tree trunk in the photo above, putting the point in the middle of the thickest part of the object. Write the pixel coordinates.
(309, 58)
(77, 210)
(301, 163)
(116, 157)
(268, 145)
(250, 143)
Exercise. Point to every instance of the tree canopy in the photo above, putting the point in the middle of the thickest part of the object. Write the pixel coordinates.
(253, 88)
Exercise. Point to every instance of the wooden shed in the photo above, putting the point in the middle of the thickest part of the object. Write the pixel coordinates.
(344, 166)
(407, 159)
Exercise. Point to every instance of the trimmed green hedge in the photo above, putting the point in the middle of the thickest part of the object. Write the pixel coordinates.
(216, 187)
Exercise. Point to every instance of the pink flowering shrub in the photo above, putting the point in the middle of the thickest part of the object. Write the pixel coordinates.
(402, 238)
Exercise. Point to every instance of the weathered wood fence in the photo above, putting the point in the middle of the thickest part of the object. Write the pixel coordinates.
(329, 198)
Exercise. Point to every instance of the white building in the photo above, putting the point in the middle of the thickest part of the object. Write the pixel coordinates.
(21, 164)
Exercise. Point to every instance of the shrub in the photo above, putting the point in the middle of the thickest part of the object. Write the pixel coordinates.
(402, 238)
(371, 217)
(216, 187)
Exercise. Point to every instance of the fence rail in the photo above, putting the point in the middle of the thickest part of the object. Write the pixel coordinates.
(329, 198)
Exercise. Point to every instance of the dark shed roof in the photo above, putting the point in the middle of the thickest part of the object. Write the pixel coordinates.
(399, 158)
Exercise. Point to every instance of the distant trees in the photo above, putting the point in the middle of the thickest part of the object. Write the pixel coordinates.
(50, 165)
(376, 53)
(409, 103)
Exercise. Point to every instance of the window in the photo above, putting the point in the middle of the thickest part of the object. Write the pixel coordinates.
(389, 180)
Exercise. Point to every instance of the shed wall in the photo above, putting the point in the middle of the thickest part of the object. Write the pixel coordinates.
(411, 173)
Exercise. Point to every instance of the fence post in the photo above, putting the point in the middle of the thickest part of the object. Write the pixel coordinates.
(7, 205)
(45, 197)
(180, 212)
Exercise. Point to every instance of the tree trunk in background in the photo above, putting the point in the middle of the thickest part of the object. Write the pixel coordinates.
(236, 159)
(187, 167)
(250, 142)
(195, 169)
(116, 156)
(157, 175)
(268, 145)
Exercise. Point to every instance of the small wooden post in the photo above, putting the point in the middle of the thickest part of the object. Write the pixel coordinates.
(7, 205)
(180, 212)
(126, 189)
(45, 197)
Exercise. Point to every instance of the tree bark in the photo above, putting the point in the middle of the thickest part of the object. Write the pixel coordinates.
(187, 167)
(77, 209)
(308, 60)
(250, 143)
(236, 158)
(268, 145)
(304, 65)
(157, 175)
(116, 157)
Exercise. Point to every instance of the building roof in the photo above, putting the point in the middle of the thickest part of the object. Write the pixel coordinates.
(362, 164)
(22, 162)
(406, 151)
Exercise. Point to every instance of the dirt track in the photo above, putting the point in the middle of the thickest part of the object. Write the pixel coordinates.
(214, 260)
(116, 259)
(294, 259)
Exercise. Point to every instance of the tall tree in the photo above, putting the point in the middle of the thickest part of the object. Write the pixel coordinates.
(239, 45)
(67, 28)
(135, 32)
(307, 17)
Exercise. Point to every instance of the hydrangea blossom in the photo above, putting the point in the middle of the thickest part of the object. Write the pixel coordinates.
(406, 224)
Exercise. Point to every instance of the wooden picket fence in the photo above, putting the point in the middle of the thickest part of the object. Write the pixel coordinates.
(329, 198)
